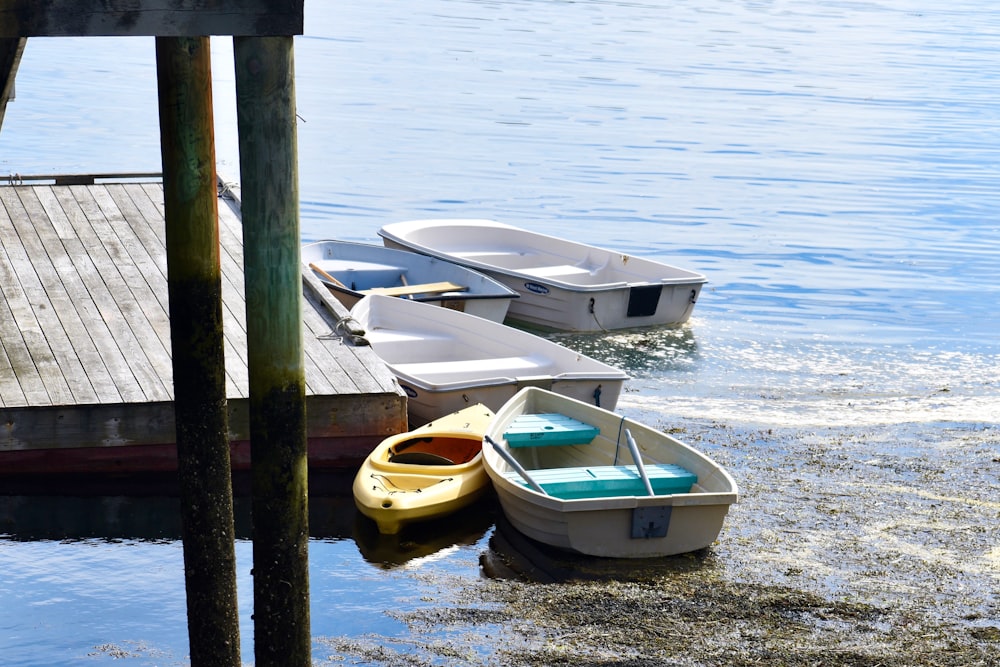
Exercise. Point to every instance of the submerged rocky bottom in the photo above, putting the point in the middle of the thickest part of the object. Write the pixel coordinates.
(848, 547)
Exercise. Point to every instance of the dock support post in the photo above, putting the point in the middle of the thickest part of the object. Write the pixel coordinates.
(10, 58)
(187, 141)
(265, 110)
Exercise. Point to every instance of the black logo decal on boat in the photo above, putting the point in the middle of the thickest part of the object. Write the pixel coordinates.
(536, 288)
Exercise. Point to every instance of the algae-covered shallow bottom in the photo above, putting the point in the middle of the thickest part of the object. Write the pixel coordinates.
(850, 547)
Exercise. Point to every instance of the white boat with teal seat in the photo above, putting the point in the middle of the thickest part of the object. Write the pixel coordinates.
(581, 478)
(564, 285)
(352, 270)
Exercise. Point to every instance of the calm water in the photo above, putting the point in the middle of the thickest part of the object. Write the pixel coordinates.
(830, 166)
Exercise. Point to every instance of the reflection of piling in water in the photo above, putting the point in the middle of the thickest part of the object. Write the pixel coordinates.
(152, 512)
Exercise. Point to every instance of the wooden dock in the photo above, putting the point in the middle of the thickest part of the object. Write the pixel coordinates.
(85, 368)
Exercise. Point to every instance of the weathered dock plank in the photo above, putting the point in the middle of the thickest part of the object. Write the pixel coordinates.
(146, 359)
(21, 289)
(59, 321)
(85, 368)
(92, 340)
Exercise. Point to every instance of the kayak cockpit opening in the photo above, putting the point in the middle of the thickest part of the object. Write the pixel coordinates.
(439, 450)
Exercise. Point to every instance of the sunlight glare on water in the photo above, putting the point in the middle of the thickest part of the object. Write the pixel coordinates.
(824, 386)
(794, 382)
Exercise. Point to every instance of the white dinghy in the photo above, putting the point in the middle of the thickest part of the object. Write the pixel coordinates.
(564, 285)
(352, 270)
(446, 360)
(575, 476)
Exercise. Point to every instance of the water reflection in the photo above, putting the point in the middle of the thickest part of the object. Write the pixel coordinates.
(112, 516)
(637, 351)
(512, 555)
(509, 555)
(424, 541)
(67, 518)
(144, 518)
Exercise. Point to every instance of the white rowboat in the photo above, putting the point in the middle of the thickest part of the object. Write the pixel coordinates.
(446, 360)
(564, 285)
(565, 476)
(352, 270)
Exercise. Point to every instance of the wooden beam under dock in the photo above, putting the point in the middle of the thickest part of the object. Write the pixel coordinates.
(147, 18)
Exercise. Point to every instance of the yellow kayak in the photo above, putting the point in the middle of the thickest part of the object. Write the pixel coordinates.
(425, 473)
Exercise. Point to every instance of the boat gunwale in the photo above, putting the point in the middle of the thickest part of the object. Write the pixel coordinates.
(575, 376)
(690, 277)
(497, 289)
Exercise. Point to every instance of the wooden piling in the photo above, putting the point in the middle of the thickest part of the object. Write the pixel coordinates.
(10, 58)
(196, 337)
(265, 94)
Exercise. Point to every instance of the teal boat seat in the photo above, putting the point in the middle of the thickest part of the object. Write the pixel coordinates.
(609, 481)
(548, 429)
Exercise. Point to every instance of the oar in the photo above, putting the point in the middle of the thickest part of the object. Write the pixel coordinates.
(406, 283)
(637, 457)
(512, 462)
(327, 276)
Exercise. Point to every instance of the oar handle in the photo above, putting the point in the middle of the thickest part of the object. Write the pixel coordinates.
(327, 276)
(637, 457)
(512, 462)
